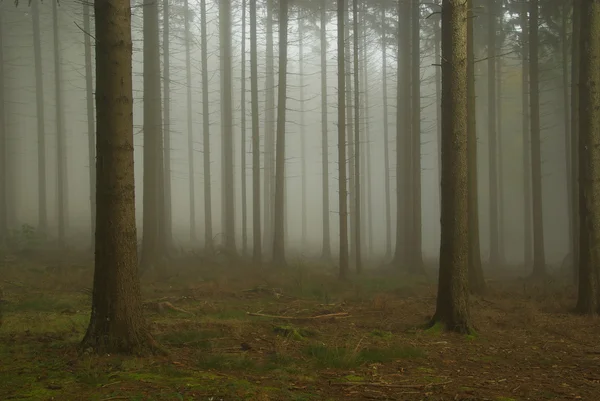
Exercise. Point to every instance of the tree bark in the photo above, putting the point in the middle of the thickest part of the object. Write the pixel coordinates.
(302, 130)
(452, 308)
(574, 194)
(269, 163)
(3, 152)
(527, 217)
(564, 42)
(500, 171)
(539, 260)
(493, 138)
(278, 229)
(588, 298)
(357, 219)
(116, 323)
(343, 202)
(166, 195)
(243, 136)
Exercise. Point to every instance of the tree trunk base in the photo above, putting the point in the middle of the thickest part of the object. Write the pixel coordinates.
(455, 325)
(101, 341)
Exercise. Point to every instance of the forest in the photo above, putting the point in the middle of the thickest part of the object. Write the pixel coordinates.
(299, 200)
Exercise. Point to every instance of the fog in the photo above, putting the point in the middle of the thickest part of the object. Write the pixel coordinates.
(21, 127)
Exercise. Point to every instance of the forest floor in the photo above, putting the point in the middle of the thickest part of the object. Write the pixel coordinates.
(372, 347)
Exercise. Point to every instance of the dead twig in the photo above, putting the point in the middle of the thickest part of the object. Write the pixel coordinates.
(389, 385)
(329, 315)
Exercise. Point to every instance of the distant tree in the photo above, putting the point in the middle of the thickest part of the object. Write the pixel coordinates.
(588, 299)
(190, 129)
(116, 323)
(278, 229)
(356, 156)
(326, 251)
(243, 135)
(208, 238)
(256, 229)
(452, 308)
(386, 152)
(166, 194)
(343, 202)
(575, 55)
(3, 153)
(492, 132)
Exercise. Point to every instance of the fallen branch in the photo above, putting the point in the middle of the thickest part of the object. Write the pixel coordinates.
(329, 315)
(375, 384)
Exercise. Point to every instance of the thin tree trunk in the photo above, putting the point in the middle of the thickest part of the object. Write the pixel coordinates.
(438, 96)
(575, 56)
(357, 227)
(500, 171)
(190, 128)
(243, 135)
(60, 135)
(539, 259)
(208, 236)
(89, 90)
(326, 252)
(452, 308)
(41, 134)
(527, 218)
(278, 229)
(368, 178)
(151, 247)
(567, 120)
(343, 202)
(416, 258)
(3, 151)
(256, 231)
(350, 134)
(117, 323)
(493, 138)
(269, 134)
(166, 195)
(302, 129)
(227, 122)
(476, 280)
(386, 155)
(588, 298)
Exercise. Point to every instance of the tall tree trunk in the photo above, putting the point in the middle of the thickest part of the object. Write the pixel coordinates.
(476, 280)
(438, 96)
(268, 184)
(403, 143)
(190, 127)
(368, 204)
(61, 167)
(539, 259)
(452, 308)
(567, 119)
(326, 252)
(3, 151)
(302, 129)
(357, 219)
(574, 194)
(151, 247)
(243, 135)
(41, 133)
(166, 195)
(493, 138)
(527, 217)
(343, 195)
(256, 235)
(350, 134)
(227, 122)
(500, 165)
(278, 229)
(117, 323)
(386, 154)
(416, 258)
(588, 298)
(208, 237)
(89, 90)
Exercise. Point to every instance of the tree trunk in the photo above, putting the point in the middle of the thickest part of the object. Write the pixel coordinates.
(438, 96)
(452, 308)
(326, 252)
(574, 168)
(357, 243)
(500, 164)
(190, 128)
(208, 236)
(588, 298)
(493, 145)
(151, 247)
(539, 261)
(269, 134)
(243, 135)
(278, 229)
(527, 218)
(343, 202)
(386, 141)
(116, 323)
(61, 157)
(302, 129)
(416, 257)
(368, 204)
(256, 231)
(41, 134)
(350, 134)
(3, 151)
(166, 195)
(567, 119)
(476, 280)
